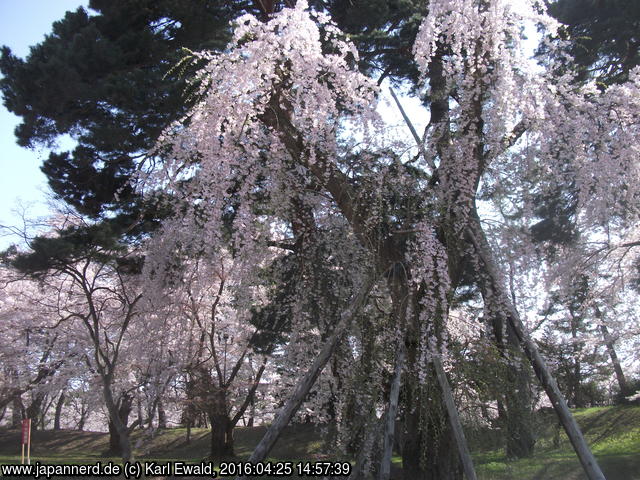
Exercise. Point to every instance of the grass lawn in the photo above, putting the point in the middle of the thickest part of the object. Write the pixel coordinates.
(612, 432)
(299, 442)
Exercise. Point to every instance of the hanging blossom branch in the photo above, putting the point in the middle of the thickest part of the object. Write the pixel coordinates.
(572, 130)
(283, 81)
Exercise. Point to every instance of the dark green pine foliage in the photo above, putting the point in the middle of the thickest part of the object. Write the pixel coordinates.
(556, 211)
(107, 78)
(384, 32)
(604, 37)
(95, 243)
(102, 79)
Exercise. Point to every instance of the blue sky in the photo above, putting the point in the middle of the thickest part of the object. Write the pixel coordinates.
(24, 23)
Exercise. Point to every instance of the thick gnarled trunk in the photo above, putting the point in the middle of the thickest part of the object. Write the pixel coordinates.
(429, 450)
(162, 415)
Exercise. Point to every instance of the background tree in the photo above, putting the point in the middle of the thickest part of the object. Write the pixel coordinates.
(213, 340)
(87, 271)
(33, 356)
(106, 80)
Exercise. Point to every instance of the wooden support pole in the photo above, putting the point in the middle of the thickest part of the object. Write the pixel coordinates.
(28, 441)
(586, 457)
(304, 385)
(416, 137)
(454, 420)
(390, 420)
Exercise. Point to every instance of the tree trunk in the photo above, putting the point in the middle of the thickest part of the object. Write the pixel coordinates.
(392, 410)
(454, 420)
(429, 451)
(140, 413)
(84, 411)
(221, 427)
(516, 408)
(372, 428)
(611, 350)
(45, 411)
(189, 411)
(575, 374)
(221, 438)
(34, 410)
(17, 412)
(162, 415)
(399, 298)
(119, 440)
(114, 440)
(308, 379)
(360, 415)
(252, 412)
(59, 405)
(518, 415)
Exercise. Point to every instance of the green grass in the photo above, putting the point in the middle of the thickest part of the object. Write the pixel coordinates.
(612, 432)
(299, 442)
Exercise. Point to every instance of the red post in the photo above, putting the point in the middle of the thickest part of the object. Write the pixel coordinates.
(26, 439)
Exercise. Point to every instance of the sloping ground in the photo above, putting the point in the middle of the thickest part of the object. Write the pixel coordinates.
(66, 446)
(299, 442)
(612, 432)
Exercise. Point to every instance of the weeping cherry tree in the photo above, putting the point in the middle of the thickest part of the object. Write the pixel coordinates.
(284, 156)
